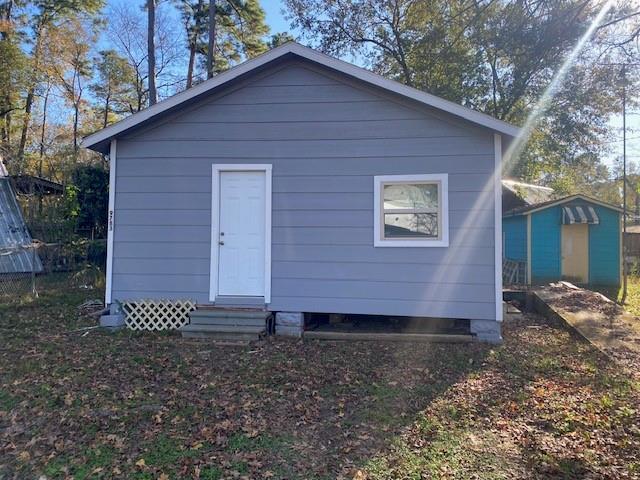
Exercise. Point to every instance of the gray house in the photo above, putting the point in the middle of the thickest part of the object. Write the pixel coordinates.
(302, 183)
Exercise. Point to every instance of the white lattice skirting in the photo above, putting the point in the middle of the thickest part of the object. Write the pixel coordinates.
(156, 315)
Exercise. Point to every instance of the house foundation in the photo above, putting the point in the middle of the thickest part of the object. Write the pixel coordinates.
(290, 324)
(486, 330)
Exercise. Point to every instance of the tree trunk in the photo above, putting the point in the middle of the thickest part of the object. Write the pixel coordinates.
(5, 36)
(193, 43)
(105, 121)
(151, 50)
(43, 129)
(76, 109)
(28, 104)
(107, 103)
(25, 126)
(76, 116)
(192, 60)
(212, 39)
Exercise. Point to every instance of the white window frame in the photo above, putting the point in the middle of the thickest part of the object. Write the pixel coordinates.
(442, 180)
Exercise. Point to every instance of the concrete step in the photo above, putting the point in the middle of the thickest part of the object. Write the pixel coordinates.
(230, 321)
(231, 313)
(232, 318)
(223, 332)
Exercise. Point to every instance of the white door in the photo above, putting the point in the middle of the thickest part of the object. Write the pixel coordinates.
(241, 242)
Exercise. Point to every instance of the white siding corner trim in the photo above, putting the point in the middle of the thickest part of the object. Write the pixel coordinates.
(110, 221)
(497, 177)
(442, 179)
(215, 223)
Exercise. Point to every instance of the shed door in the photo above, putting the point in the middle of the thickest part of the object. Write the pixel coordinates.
(575, 252)
(241, 266)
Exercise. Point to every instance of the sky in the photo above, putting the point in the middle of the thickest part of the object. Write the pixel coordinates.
(275, 18)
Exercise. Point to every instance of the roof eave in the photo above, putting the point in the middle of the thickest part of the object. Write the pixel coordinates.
(533, 209)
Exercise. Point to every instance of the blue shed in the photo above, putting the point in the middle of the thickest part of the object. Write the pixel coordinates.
(575, 238)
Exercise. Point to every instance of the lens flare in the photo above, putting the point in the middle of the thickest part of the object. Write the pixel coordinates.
(543, 102)
(461, 251)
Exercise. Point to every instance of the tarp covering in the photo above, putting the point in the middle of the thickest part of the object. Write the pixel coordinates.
(16, 254)
(579, 214)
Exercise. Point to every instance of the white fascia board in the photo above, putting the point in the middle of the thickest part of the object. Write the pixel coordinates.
(574, 197)
(314, 56)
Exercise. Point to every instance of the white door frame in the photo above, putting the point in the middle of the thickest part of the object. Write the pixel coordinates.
(217, 168)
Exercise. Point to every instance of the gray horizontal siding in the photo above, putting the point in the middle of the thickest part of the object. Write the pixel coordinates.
(380, 272)
(159, 265)
(305, 165)
(363, 253)
(384, 306)
(341, 289)
(303, 130)
(293, 148)
(162, 266)
(327, 111)
(286, 94)
(282, 183)
(288, 235)
(297, 75)
(146, 249)
(179, 283)
(326, 140)
(317, 202)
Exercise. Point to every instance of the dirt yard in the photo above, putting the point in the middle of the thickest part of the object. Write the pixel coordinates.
(100, 405)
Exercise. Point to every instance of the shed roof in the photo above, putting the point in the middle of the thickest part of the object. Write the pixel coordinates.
(528, 192)
(99, 141)
(15, 241)
(528, 209)
(29, 184)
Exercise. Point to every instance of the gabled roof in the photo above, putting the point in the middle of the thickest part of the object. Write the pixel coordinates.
(99, 140)
(552, 203)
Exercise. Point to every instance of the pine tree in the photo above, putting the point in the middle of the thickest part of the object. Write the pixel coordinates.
(240, 31)
(112, 86)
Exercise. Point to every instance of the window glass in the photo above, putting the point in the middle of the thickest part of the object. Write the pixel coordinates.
(403, 196)
(407, 225)
(411, 210)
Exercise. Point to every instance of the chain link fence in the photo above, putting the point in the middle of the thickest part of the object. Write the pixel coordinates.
(18, 269)
(25, 268)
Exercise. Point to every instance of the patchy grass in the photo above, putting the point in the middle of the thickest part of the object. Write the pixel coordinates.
(633, 295)
(632, 304)
(544, 405)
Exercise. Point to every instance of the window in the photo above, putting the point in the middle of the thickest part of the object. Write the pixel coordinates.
(411, 211)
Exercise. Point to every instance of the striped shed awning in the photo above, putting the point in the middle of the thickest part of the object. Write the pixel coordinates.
(579, 214)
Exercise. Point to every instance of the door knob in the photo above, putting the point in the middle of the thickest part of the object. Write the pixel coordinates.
(220, 242)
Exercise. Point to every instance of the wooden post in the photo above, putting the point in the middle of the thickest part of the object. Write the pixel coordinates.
(624, 185)
(34, 291)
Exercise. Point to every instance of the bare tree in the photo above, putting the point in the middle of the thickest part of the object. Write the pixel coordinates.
(127, 32)
(193, 15)
(70, 45)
